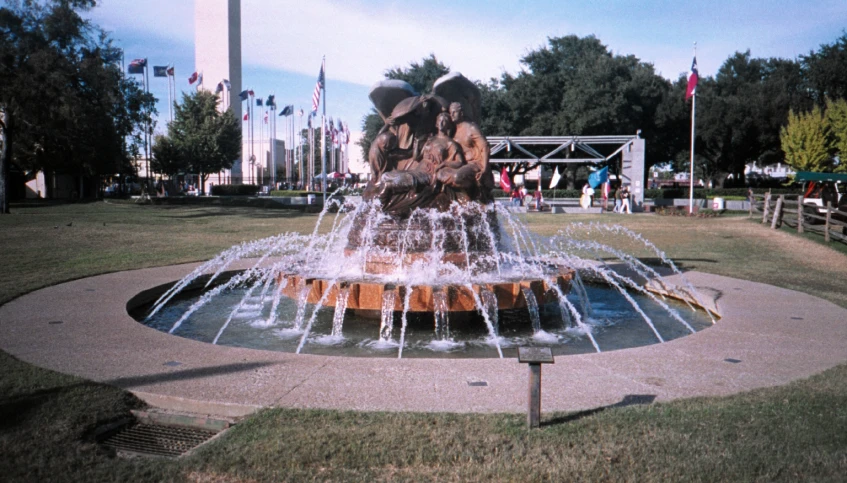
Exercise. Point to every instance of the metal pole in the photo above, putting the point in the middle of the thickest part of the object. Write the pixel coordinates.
(691, 178)
(323, 138)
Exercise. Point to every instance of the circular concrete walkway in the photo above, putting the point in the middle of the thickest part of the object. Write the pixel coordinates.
(767, 336)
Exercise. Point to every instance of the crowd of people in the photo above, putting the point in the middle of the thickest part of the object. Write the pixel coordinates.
(622, 197)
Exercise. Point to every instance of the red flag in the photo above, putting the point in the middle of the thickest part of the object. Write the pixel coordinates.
(250, 93)
(505, 184)
(693, 77)
(170, 71)
(266, 117)
(246, 116)
(193, 78)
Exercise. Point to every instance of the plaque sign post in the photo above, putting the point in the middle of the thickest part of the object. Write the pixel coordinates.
(534, 356)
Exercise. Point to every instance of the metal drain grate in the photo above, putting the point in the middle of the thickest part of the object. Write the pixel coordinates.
(156, 440)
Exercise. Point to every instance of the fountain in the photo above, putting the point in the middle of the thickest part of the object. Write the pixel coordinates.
(426, 241)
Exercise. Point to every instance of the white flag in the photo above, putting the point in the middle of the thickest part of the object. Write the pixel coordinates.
(556, 178)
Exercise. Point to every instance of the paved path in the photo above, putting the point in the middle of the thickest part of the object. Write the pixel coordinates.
(777, 336)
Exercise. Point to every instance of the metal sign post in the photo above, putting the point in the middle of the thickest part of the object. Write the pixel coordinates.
(534, 356)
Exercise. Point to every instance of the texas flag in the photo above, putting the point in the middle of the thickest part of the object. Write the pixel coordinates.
(693, 77)
(505, 183)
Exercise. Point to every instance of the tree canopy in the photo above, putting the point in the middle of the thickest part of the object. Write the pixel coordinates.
(206, 140)
(67, 105)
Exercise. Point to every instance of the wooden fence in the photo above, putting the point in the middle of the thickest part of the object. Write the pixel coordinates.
(790, 210)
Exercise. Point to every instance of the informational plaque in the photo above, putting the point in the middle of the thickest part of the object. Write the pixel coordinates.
(535, 355)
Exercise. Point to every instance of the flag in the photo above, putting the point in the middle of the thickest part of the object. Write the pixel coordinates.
(301, 112)
(243, 95)
(193, 78)
(316, 96)
(555, 179)
(160, 71)
(227, 84)
(259, 101)
(598, 177)
(693, 77)
(270, 101)
(287, 110)
(219, 88)
(505, 184)
(247, 116)
(266, 117)
(200, 79)
(250, 93)
(137, 66)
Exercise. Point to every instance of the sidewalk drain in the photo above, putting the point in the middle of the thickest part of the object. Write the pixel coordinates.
(477, 383)
(148, 439)
(732, 361)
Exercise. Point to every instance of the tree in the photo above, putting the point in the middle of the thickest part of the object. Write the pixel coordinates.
(207, 140)
(805, 141)
(67, 106)
(824, 70)
(836, 116)
(167, 158)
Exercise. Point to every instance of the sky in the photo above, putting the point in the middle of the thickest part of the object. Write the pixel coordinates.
(283, 41)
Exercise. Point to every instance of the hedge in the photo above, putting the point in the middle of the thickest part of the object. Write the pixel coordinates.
(235, 190)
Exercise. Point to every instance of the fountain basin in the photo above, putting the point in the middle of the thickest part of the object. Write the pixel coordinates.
(368, 295)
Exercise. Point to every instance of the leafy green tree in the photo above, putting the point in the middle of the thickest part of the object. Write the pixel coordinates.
(167, 158)
(576, 86)
(824, 70)
(208, 140)
(805, 141)
(836, 116)
(67, 107)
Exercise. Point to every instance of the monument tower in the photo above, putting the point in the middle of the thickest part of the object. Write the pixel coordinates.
(217, 56)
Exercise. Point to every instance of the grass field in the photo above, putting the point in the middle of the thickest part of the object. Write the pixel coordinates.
(790, 433)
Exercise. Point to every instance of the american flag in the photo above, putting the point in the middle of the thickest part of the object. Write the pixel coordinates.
(316, 96)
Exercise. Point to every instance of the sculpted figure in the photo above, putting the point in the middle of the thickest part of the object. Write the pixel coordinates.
(476, 151)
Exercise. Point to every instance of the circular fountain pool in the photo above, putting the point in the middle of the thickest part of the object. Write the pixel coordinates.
(608, 315)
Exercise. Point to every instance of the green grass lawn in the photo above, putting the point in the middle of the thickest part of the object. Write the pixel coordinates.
(790, 433)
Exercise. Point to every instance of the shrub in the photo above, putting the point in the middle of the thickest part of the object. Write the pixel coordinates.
(235, 190)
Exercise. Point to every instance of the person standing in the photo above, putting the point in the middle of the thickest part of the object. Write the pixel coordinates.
(538, 198)
(625, 200)
(618, 202)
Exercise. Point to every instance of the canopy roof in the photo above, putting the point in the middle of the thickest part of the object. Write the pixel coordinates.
(810, 176)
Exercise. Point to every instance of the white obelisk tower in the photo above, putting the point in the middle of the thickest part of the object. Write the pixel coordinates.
(217, 56)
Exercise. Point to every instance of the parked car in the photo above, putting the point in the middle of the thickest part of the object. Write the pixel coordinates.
(820, 189)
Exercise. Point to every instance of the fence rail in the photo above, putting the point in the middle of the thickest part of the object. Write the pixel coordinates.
(791, 211)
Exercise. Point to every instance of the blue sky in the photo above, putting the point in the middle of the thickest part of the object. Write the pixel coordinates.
(283, 40)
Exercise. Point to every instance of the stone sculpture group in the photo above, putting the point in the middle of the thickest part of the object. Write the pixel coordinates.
(430, 151)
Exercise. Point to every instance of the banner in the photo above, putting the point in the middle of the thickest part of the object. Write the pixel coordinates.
(555, 179)
(137, 66)
(598, 177)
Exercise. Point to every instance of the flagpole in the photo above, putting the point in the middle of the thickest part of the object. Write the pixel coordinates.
(299, 148)
(147, 147)
(323, 133)
(170, 98)
(691, 175)
(252, 143)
